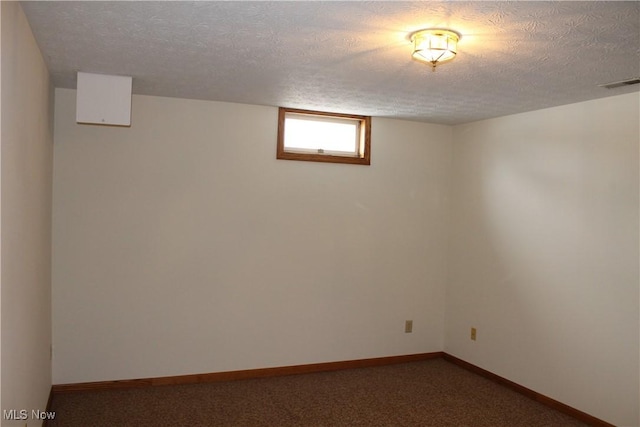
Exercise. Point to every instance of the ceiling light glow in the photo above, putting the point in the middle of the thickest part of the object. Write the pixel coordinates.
(435, 46)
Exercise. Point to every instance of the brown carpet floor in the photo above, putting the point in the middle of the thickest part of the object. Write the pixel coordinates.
(429, 393)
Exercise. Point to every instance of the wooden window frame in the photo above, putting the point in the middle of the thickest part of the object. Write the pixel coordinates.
(365, 135)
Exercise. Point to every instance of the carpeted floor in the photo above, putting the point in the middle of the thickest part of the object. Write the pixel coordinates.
(429, 393)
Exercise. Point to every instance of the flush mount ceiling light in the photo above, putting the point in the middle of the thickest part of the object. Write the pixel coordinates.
(435, 45)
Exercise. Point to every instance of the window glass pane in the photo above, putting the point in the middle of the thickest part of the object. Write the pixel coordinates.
(312, 133)
(320, 136)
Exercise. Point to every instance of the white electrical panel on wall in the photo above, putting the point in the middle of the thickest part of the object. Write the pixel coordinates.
(103, 99)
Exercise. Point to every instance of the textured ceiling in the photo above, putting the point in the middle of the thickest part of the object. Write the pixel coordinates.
(351, 57)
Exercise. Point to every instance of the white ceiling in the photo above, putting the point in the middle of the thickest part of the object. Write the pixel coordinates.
(351, 57)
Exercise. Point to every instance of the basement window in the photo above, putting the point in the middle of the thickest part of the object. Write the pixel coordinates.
(317, 136)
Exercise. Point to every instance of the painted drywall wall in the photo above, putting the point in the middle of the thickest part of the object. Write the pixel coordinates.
(544, 253)
(26, 187)
(181, 245)
(0, 211)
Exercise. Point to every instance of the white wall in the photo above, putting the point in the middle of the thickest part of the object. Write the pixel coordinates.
(181, 245)
(27, 138)
(544, 253)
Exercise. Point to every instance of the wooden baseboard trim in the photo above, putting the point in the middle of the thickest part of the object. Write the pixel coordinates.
(244, 374)
(547, 401)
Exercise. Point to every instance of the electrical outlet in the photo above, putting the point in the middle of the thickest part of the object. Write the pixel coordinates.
(408, 326)
(473, 334)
